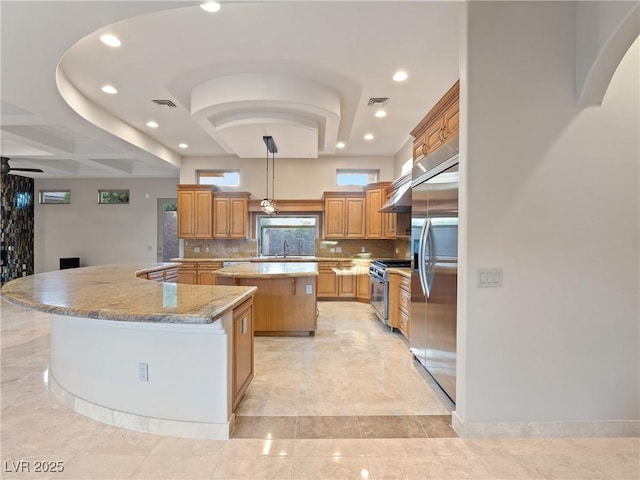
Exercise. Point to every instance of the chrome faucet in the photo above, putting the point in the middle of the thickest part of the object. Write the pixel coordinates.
(284, 249)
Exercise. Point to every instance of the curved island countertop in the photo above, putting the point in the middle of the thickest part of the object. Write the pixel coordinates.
(145, 355)
(113, 292)
(269, 270)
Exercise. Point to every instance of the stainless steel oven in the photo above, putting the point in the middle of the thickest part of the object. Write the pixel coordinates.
(379, 276)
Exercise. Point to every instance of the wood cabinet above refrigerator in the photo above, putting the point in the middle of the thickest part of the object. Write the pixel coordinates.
(439, 125)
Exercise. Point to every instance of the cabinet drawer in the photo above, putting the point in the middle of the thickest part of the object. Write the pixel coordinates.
(403, 323)
(156, 276)
(171, 275)
(209, 266)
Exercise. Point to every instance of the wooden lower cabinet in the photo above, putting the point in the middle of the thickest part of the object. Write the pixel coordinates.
(169, 274)
(188, 273)
(243, 361)
(282, 305)
(205, 277)
(363, 292)
(198, 273)
(399, 302)
(327, 280)
(334, 286)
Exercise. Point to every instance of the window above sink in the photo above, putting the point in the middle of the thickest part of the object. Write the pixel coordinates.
(293, 236)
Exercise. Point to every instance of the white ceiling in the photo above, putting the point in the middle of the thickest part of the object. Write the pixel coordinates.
(300, 71)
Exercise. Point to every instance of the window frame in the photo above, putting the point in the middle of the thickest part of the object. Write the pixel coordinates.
(217, 173)
(357, 171)
(117, 191)
(259, 231)
(43, 192)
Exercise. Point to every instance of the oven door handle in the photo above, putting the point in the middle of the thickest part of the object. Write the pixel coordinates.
(422, 273)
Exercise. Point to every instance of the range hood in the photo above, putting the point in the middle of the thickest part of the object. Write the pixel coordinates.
(400, 201)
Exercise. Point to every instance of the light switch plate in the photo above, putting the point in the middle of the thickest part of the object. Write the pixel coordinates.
(309, 289)
(490, 277)
(143, 372)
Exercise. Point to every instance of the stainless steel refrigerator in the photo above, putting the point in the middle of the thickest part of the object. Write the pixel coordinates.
(434, 239)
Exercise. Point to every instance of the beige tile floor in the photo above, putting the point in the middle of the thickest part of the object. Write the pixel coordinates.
(365, 362)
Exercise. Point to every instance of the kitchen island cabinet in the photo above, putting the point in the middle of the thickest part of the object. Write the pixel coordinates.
(286, 300)
(144, 355)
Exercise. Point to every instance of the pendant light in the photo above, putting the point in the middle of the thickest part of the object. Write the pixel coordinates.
(269, 206)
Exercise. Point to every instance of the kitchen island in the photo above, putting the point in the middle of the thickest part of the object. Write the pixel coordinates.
(286, 300)
(151, 356)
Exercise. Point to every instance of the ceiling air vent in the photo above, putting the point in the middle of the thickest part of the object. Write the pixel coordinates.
(378, 101)
(165, 103)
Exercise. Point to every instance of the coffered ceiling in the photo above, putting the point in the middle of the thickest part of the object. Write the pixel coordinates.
(303, 72)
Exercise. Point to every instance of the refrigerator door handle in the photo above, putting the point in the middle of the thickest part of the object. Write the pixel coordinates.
(421, 257)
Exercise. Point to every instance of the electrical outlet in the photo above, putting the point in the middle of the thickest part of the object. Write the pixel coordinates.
(309, 290)
(143, 372)
(234, 249)
(338, 249)
(206, 249)
(332, 250)
(363, 249)
(196, 249)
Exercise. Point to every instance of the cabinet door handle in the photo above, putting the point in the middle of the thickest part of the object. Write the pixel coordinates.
(424, 153)
(441, 134)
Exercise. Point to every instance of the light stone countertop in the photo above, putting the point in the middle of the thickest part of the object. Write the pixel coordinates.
(269, 270)
(405, 272)
(113, 292)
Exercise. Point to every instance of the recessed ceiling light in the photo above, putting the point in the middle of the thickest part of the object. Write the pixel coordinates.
(400, 76)
(152, 124)
(110, 40)
(211, 7)
(369, 136)
(110, 89)
(340, 145)
(183, 145)
(381, 113)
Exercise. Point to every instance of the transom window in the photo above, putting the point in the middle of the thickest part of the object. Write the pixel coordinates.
(356, 177)
(297, 234)
(221, 178)
(55, 196)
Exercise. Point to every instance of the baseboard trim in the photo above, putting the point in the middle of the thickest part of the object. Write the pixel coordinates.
(607, 428)
(139, 423)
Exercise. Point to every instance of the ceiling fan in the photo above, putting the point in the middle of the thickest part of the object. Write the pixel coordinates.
(6, 168)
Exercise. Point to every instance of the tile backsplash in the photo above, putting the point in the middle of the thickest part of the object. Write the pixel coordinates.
(350, 248)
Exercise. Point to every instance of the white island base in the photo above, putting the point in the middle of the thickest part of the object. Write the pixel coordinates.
(162, 378)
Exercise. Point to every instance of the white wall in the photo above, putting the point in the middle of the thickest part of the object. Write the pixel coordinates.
(99, 234)
(294, 178)
(404, 154)
(552, 199)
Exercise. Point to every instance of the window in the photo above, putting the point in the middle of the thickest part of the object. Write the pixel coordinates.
(54, 196)
(356, 177)
(407, 166)
(221, 178)
(299, 233)
(113, 196)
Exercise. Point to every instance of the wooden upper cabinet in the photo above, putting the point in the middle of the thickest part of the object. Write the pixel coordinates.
(194, 211)
(230, 215)
(439, 125)
(355, 220)
(379, 224)
(344, 215)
